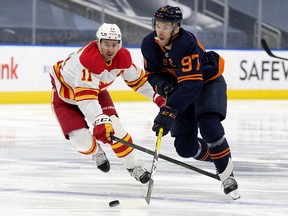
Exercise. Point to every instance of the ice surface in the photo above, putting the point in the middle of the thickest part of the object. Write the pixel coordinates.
(41, 174)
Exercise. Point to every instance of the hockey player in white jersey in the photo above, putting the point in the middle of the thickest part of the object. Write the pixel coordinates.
(80, 98)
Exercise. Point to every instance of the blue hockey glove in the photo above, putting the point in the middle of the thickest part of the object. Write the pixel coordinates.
(165, 119)
(167, 88)
(163, 88)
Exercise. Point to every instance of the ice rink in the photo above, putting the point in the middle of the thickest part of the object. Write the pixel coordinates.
(41, 174)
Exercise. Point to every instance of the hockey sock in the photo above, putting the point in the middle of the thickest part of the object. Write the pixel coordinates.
(126, 153)
(203, 153)
(221, 155)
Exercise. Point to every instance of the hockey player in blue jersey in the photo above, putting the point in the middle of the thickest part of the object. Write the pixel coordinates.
(179, 67)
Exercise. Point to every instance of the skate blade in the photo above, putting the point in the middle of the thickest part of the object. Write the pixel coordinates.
(235, 195)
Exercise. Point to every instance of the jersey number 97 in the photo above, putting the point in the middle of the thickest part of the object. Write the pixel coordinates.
(188, 65)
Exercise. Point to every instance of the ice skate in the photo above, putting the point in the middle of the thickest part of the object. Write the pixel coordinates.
(230, 187)
(140, 174)
(101, 160)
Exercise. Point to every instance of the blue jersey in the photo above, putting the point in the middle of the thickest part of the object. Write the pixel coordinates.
(187, 65)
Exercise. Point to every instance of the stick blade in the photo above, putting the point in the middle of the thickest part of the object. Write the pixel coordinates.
(147, 199)
(149, 191)
(268, 50)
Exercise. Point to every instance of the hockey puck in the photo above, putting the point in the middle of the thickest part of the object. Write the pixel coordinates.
(114, 203)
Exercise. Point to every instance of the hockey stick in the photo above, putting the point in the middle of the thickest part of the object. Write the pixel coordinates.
(154, 164)
(268, 50)
(164, 157)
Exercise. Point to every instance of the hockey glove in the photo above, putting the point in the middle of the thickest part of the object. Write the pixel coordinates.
(103, 129)
(165, 119)
(163, 88)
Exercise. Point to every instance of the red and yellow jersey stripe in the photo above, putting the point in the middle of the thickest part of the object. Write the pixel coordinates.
(82, 93)
(66, 91)
(120, 149)
(136, 84)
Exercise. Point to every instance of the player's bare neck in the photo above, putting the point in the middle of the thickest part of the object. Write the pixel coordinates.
(168, 48)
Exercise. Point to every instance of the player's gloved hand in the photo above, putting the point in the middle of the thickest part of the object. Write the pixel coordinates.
(163, 88)
(103, 129)
(165, 119)
(167, 88)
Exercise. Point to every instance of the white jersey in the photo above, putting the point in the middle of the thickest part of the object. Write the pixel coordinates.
(81, 77)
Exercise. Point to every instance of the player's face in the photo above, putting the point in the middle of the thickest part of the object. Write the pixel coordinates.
(109, 48)
(163, 31)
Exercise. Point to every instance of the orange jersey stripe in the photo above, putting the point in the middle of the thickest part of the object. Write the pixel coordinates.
(220, 154)
(205, 156)
(190, 77)
(221, 63)
(224, 151)
(200, 45)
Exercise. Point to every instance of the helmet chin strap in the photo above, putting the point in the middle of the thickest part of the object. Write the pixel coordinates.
(99, 45)
(172, 37)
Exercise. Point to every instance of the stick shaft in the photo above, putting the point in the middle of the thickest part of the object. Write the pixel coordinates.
(154, 165)
(180, 163)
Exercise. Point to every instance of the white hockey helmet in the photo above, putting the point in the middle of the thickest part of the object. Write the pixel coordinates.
(109, 32)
